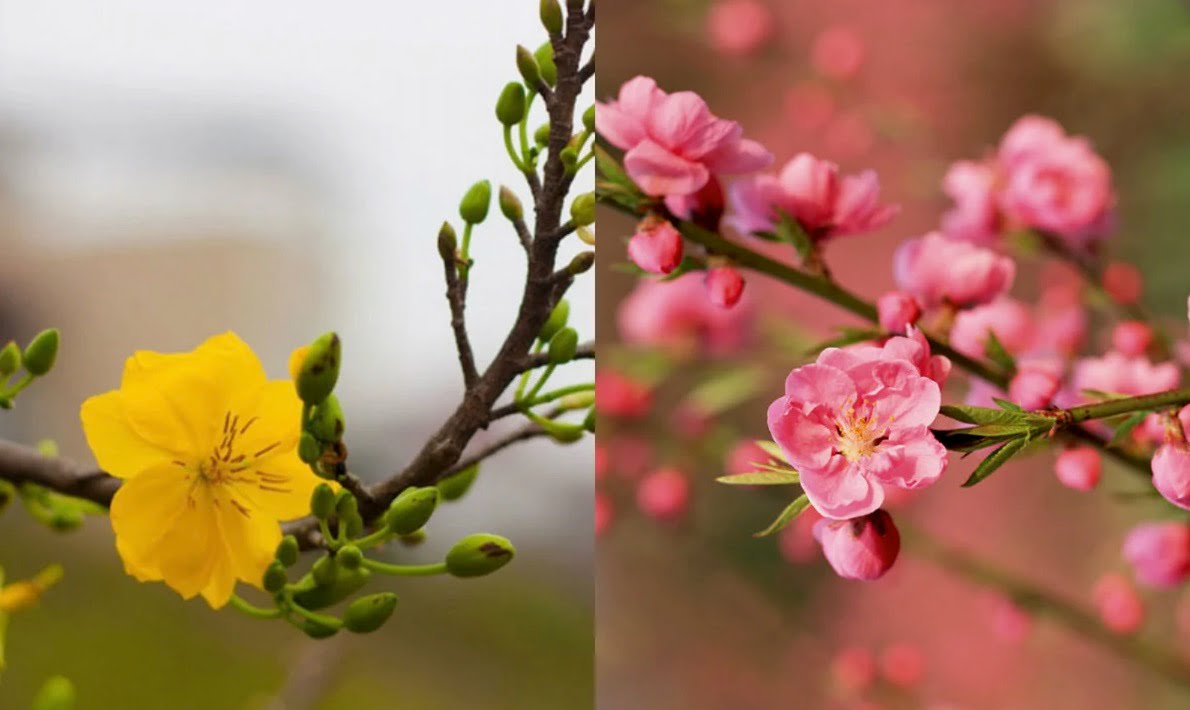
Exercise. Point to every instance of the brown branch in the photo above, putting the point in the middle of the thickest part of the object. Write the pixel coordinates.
(456, 295)
(24, 464)
(587, 71)
(523, 234)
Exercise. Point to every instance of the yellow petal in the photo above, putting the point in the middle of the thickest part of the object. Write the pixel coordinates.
(143, 509)
(250, 536)
(119, 450)
(280, 486)
(268, 420)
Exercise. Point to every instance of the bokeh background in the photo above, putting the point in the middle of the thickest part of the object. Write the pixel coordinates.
(694, 613)
(170, 170)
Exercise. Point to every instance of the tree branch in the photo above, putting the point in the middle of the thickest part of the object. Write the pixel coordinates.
(456, 294)
(523, 234)
(24, 464)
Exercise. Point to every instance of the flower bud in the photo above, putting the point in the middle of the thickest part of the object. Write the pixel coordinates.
(557, 320)
(56, 694)
(510, 107)
(551, 16)
(312, 595)
(479, 554)
(448, 243)
(902, 665)
(563, 346)
(582, 209)
(322, 501)
(581, 263)
(1171, 473)
(1033, 387)
(861, 548)
(309, 448)
(10, 359)
(41, 352)
(411, 510)
(324, 571)
(473, 208)
(349, 557)
(319, 370)
(545, 61)
(526, 64)
(563, 433)
(319, 629)
(897, 311)
(369, 613)
(65, 519)
(274, 577)
(1159, 553)
(725, 286)
(1132, 338)
(589, 119)
(585, 235)
(510, 204)
(456, 486)
(542, 135)
(326, 422)
(1119, 606)
(656, 247)
(347, 511)
(1123, 282)
(287, 551)
(569, 158)
(1078, 467)
(663, 495)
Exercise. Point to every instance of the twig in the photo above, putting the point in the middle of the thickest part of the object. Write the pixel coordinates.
(523, 234)
(456, 294)
(24, 464)
(588, 70)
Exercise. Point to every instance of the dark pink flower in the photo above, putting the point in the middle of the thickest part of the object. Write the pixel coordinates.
(838, 52)
(862, 548)
(1131, 338)
(656, 247)
(619, 396)
(1035, 384)
(1119, 374)
(903, 665)
(1123, 282)
(1171, 473)
(939, 270)
(1159, 553)
(897, 311)
(975, 217)
(724, 286)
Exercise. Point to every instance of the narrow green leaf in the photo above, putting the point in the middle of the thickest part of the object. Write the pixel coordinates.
(761, 478)
(771, 448)
(610, 168)
(1124, 431)
(790, 231)
(994, 349)
(1007, 405)
(982, 415)
(995, 460)
(791, 511)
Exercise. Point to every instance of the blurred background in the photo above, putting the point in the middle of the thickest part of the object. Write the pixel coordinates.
(695, 613)
(170, 170)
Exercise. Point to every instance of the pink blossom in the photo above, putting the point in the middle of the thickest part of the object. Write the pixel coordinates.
(1123, 282)
(1159, 553)
(1035, 384)
(604, 512)
(862, 548)
(619, 396)
(678, 316)
(664, 494)
(975, 217)
(1119, 606)
(1008, 318)
(1171, 473)
(673, 143)
(939, 270)
(1119, 374)
(897, 311)
(1131, 338)
(838, 53)
(724, 286)
(903, 665)
(1061, 327)
(745, 457)
(690, 420)
(796, 542)
(854, 669)
(1078, 467)
(810, 191)
(739, 27)
(912, 347)
(854, 422)
(656, 247)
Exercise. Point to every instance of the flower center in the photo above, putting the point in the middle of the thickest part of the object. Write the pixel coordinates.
(858, 435)
(228, 464)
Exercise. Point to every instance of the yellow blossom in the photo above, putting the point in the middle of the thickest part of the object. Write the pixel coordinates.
(207, 448)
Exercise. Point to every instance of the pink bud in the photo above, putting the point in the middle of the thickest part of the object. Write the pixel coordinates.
(1123, 282)
(619, 396)
(724, 286)
(1171, 473)
(903, 665)
(1078, 467)
(1132, 337)
(897, 311)
(861, 548)
(838, 53)
(739, 26)
(663, 495)
(603, 513)
(1009, 622)
(1119, 606)
(854, 669)
(656, 247)
(1159, 553)
(1033, 387)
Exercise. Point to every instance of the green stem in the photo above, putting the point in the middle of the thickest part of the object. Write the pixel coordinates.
(524, 131)
(512, 151)
(238, 603)
(19, 387)
(465, 252)
(1127, 405)
(557, 394)
(377, 536)
(583, 161)
(524, 381)
(405, 570)
(545, 375)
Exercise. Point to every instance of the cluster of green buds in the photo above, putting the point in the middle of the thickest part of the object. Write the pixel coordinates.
(37, 358)
(560, 344)
(59, 512)
(315, 372)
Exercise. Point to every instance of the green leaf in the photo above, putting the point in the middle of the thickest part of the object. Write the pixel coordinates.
(726, 389)
(994, 349)
(847, 336)
(995, 460)
(790, 231)
(771, 448)
(1122, 432)
(791, 511)
(1007, 405)
(982, 415)
(610, 168)
(761, 478)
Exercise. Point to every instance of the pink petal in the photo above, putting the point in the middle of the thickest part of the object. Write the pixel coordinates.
(841, 491)
(804, 439)
(738, 157)
(911, 458)
(821, 384)
(658, 171)
(914, 404)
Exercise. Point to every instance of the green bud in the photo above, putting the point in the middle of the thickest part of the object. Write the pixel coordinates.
(274, 577)
(510, 107)
(510, 204)
(322, 501)
(585, 235)
(578, 400)
(479, 554)
(287, 551)
(311, 595)
(324, 571)
(563, 346)
(557, 321)
(589, 119)
(65, 519)
(369, 613)
(569, 158)
(456, 486)
(474, 206)
(309, 448)
(545, 61)
(56, 694)
(582, 209)
(347, 511)
(563, 433)
(411, 510)
(581, 263)
(526, 64)
(10, 359)
(326, 422)
(589, 420)
(448, 242)
(413, 539)
(41, 352)
(319, 629)
(349, 557)
(551, 16)
(319, 371)
(542, 135)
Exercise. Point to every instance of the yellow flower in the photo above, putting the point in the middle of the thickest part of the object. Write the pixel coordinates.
(207, 448)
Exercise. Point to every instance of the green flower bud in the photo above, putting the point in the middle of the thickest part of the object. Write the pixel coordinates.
(411, 510)
(582, 209)
(564, 433)
(319, 629)
(369, 613)
(456, 486)
(563, 346)
(510, 107)
(56, 694)
(448, 242)
(322, 501)
(542, 135)
(41, 352)
(10, 359)
(545, 61)
(324, 571)
(526, 64)
(66, 519)
(309, 448)
(413, 539)
(585, 235)
(578, 400)
(349, 557)
(589, 420)
(510, 204)
(274, 577)
(569, 158)
(345, 504)
(551, 16)
(581, 263)
(287, 551)
(557, 321)
(319, 371)
(474, 206)
(311, 595)
(589, 119)
(326, 422)
(479, 554)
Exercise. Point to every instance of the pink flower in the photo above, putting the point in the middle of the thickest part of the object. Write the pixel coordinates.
(838, 53)
(1078, 467)
(1119, 606)
(1061, 323)
(656, 247)
(912, 347)
(620, 396)
(854, 422)
(739, 27)
(1171, 473)
(604, 512)
(1008, 318)
(903, 665)
(1131, 338)
(664, 494)
(1118, 374)
(975, 217)
(673, 143)
(862, 548)
(810, 191)
(724, 286)
(1159, 553)
(1123, 282)
(678, 316)
(1034, 385)
(939, 270)
(897, 311)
